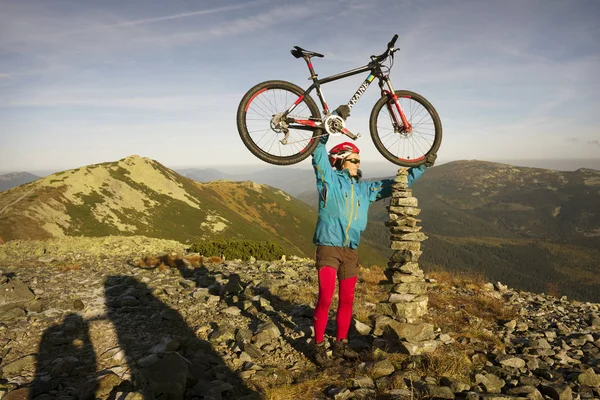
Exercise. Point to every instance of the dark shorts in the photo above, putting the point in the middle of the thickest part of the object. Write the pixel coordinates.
(343, 259)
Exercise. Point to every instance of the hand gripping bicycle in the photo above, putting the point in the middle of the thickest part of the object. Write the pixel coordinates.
(281, 124)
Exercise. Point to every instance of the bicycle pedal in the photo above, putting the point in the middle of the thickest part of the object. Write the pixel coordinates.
(350, 134)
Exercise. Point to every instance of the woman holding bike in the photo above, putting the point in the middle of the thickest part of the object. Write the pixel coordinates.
(343, 207)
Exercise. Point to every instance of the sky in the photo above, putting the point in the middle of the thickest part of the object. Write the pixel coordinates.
(83, 82)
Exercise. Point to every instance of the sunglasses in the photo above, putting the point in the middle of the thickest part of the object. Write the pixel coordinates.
(353, 160)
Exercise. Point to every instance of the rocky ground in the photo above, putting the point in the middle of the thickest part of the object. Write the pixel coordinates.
(91, 318)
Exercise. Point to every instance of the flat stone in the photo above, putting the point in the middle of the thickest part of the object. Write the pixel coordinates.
(404, 201)
(265, 334)
(408, 211)
(490, 382)
(401, 297)
(437, 392)
(413, 236)
(511, 361)
(411, 268)
(16, 366)
(556, 391)
(402, 193)
(232, 310)
(361, 328)
(403, 256)
(589, 378)
(410, 246)
(411, 310)
(381, 322)
(416, 349)
(401, 178)
(411, 287)
(528, 392)
(381, 368)
(14, 293)
(11, 314)
(399, 229)
(363, 382)
(415, 332)
(400, 277)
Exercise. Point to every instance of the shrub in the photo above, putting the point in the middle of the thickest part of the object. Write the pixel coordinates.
(242, 249)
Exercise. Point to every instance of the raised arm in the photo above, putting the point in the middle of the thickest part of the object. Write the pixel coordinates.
(320, 161)
(383, 188)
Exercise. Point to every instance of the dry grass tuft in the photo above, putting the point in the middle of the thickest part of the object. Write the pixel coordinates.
(449, 361)
(372, 275)
(214, 260)
(163, 267)
(460, 306)
(69, 267)
(294, 295)
(447, 278)
(194, 259)
(369, 292)
(311, 388)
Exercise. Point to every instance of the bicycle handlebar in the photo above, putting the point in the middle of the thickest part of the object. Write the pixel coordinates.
(385, 54)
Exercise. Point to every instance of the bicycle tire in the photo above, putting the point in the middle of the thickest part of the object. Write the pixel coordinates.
(413, 149)
(254, 116)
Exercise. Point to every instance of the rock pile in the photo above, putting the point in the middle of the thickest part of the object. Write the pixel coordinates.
(107, 328)
(408, 299)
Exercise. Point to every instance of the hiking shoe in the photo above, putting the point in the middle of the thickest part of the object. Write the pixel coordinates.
(321, 357)
(342, 350)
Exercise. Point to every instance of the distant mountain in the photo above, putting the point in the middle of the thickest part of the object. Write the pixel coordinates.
(14, 179)
(532, 228)
(290, 180)
(205, 175)
(140, 196)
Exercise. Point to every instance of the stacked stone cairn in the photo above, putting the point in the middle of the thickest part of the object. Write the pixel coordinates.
(407, 302)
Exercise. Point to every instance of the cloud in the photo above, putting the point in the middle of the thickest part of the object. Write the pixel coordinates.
(186, 14)
(594, 142)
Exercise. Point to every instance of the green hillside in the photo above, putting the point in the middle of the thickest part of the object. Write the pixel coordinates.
(531, 228)
(139, 196)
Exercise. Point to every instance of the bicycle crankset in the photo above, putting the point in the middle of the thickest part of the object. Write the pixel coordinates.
(334, 124)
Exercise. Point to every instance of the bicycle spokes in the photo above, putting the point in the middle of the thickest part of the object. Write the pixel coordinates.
(269, 126)
(406, 129)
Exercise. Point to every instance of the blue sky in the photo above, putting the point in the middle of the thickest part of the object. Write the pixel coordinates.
(83, 82)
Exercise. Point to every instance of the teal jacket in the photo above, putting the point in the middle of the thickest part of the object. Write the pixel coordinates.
(344, 201)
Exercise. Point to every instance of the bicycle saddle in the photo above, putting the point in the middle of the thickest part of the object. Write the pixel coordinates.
(299, 52)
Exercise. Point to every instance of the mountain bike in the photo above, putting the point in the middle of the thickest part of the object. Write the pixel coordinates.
(281, 124)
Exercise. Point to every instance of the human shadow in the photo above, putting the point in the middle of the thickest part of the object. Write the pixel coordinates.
(165, 358)
(65, 359)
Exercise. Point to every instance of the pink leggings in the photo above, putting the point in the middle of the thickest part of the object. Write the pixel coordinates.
(327, 277)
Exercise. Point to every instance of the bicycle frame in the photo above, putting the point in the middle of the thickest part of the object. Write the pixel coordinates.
(398, 118)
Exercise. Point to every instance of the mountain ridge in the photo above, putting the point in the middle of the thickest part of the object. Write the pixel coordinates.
(137, 195)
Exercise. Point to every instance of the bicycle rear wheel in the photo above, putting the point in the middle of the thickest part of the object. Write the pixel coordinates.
(262, 136)
(406, 149)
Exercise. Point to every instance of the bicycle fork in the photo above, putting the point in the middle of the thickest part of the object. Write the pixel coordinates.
(397, 116)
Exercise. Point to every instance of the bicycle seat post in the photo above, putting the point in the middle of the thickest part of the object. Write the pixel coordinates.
(313, 75)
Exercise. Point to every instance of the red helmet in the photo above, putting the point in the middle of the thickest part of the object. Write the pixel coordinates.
(341, 151)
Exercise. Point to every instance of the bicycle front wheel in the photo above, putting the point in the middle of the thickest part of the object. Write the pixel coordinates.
(408, 149)
(261, 131)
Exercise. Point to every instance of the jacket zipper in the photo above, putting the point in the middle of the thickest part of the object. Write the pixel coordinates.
(351, 213)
